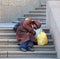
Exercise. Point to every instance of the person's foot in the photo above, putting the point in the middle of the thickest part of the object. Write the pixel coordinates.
(30, 49)
(23, 49)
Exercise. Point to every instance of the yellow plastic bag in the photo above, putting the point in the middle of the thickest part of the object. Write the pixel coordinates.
(42, 39)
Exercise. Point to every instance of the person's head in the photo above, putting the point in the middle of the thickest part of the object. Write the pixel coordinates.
(36, 24)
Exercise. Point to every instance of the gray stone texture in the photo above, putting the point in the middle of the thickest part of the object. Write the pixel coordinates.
(10, 10)
(53, 22)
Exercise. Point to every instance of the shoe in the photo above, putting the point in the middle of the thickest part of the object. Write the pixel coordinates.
(30, 49)
(23, 49)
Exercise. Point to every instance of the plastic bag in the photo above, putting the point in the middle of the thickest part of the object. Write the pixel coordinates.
(42, 39)
(38, 31)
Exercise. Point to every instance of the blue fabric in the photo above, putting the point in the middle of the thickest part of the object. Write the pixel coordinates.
(26, 44)
(17, 24)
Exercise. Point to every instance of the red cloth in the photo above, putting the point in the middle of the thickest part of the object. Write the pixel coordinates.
(25, 32)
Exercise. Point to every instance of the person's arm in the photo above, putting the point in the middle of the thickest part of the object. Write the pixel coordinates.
(27, 25)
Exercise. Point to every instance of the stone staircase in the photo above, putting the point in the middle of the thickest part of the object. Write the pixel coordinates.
(8, 43)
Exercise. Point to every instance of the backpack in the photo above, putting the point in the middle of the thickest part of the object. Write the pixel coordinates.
(17, 24)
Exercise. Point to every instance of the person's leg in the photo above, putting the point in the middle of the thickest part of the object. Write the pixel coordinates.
(23, 46)
(30, 46)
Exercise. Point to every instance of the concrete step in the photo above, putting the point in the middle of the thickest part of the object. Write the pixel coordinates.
(6, 30)
(43, 5)
(36, 48)
(35, 18)
(30, 16)
(38, 11)
(13, 35)
(35, 54)
(3, 54)
(35, 15)
(46, 30)
(4, 25)
(10, 30)
(39, 20)
(13, 24)
(3, 41)
(14, 41)
(43, 26)
(41, 8)
(28, 58)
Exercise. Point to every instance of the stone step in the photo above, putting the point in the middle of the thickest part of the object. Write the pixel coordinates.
(3, 54)
(39, 20)
(28, 58)
(6, 30)
(14, 41)
(3, 41)
(35, 54)
(46, 30)
(13, 35)
(30, 16)
(43, 26)
(36, 48)
(10, 30)
(38, 11)
(40, 8)
(34, 18)
(35, 15)
(43, 5)
(4, 25)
